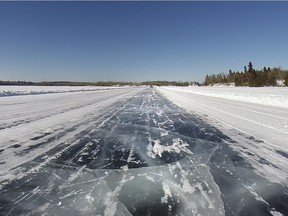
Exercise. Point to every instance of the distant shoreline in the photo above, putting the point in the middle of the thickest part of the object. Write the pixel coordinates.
(97, 83)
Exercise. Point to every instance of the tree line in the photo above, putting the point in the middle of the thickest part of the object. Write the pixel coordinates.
(99, 83)
(65, 83)
(250, 77)
(165, 83)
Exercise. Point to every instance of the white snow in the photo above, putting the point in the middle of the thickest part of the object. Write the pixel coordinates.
(32, 90)
(275, 213)
(167, 192)
(158, 149)
(273, 96)
(89, 198)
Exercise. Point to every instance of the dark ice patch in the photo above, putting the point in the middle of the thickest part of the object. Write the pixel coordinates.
(284, 154)
(40, 136)
(15, 146)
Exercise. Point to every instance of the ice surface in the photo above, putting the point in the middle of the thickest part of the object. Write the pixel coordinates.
(145, 157)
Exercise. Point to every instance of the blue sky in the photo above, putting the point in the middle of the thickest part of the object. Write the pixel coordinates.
(138, 41)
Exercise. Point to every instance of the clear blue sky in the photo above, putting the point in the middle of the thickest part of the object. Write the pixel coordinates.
(138, 41)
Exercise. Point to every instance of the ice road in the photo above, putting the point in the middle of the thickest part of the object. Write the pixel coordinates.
(130, 152)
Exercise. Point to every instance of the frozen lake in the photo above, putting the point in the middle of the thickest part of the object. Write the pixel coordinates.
(131, 151)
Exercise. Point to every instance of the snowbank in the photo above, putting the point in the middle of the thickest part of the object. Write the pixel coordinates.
(33, 90)
(271, 96)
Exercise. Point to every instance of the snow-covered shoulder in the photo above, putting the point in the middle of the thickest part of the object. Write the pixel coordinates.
(272, 96)
(33, 90)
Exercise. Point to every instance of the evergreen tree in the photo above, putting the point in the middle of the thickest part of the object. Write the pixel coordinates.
(238, 79)
(206, 82)
(230, 77)
(252, 76)
(245, 69)
(270, 79)
(250, 67)
(286, 79)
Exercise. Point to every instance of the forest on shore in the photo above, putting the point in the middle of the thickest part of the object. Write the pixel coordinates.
(250, 77)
